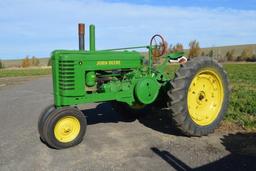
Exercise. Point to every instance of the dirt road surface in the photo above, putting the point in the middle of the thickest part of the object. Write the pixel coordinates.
(111, 142)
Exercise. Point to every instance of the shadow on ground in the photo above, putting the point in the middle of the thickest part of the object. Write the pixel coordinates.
(104, 113)
(242, 148)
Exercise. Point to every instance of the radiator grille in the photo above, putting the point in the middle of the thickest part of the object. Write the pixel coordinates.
(66, 75)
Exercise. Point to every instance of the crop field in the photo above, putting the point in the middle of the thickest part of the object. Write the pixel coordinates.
(242, 107)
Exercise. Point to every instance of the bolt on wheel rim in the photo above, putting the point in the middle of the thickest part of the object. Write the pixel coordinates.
(67, 129)
(205, 97)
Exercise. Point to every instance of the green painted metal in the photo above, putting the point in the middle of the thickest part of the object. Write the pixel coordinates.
(113, 74)
(147, 89)
(90, 78)
(127, 48)
(92, 38)
(174, 55)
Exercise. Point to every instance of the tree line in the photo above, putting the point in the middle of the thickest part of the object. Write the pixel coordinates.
(26, 62)
(247, 54)
(195, 50)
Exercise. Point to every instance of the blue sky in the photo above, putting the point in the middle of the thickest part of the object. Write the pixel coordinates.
(36, 27)
(235, 4)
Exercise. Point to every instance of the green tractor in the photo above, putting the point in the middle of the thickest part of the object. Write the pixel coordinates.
(196, 98)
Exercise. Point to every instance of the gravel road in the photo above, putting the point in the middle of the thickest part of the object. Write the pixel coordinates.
(111, 143)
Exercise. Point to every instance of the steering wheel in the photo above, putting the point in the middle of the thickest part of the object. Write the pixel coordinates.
(158, 45)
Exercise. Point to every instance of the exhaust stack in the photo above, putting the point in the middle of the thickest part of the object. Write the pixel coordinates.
(81, 31)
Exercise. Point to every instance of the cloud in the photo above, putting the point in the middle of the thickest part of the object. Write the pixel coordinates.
(36, 27)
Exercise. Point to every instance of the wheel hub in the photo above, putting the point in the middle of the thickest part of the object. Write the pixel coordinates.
(67, 129)
(201, 98)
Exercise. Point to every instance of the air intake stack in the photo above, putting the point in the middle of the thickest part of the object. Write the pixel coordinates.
(92, 38)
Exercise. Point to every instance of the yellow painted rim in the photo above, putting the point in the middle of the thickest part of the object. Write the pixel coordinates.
(205, 97)
(67, 129)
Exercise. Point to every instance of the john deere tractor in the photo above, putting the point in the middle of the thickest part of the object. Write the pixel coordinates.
(196, 97)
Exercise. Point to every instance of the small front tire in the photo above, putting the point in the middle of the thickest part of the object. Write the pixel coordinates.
(42, 118)
(64, 128)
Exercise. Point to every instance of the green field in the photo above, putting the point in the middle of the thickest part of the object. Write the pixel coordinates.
(24, 72)
(242, 108)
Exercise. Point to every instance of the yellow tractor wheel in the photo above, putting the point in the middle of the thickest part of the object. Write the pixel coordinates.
(62, 128)
(198, 98)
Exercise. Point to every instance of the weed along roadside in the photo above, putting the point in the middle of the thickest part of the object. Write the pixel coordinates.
(21, 72)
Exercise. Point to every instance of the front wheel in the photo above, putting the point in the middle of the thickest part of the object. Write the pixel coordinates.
(62, 128)
(198, 98)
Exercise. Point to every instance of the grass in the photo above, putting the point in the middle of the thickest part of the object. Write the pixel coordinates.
(24, 72)
(242, 106)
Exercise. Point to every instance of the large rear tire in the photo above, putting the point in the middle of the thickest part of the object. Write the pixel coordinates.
(199, 95)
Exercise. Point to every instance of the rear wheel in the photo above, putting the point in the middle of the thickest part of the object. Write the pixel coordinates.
(198, 98)
(64, 127)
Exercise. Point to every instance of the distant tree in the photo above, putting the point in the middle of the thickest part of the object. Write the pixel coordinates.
(230, 55)
(35, 61)
(165, 45)
(194, 49)
(49, 62)
(246, 53)
(239, 58)
(251, 59)
(26, 62)
(1, 64)
(178, 47)
(157, 52)
(210, 54)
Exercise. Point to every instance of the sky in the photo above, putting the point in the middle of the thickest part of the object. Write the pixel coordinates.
(37, 27)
